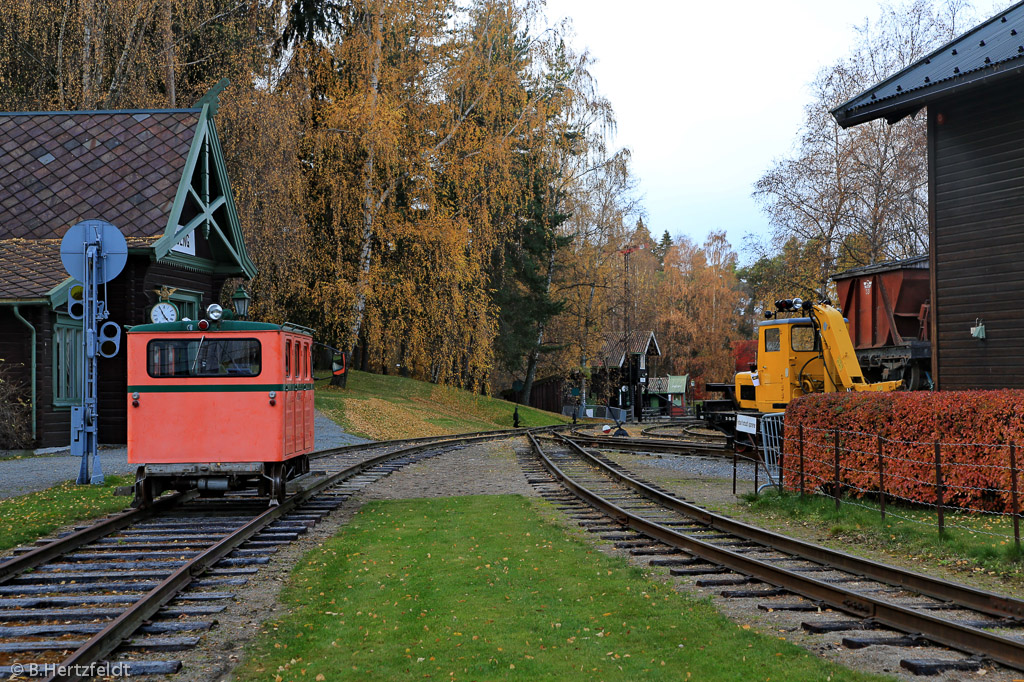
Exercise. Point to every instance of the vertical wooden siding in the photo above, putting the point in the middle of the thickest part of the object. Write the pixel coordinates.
(977, 209)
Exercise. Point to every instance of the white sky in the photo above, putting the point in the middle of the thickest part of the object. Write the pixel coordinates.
(708, 94)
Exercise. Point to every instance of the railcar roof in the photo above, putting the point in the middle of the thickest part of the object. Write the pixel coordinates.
(222, 326)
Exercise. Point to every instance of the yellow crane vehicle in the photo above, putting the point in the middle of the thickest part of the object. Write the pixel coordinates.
(809, 352)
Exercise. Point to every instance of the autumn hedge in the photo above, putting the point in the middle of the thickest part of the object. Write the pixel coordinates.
(974, 429)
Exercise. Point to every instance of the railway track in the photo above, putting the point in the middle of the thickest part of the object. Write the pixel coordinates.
(674, 446)
(687, 429)
(115, 597)
(782, 574)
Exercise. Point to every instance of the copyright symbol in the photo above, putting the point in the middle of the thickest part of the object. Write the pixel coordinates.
(17, 669)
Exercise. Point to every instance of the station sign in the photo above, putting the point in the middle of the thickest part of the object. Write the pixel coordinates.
(746, 423)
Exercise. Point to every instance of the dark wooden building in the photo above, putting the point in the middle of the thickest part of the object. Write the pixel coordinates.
(973, 92)
(157, 175)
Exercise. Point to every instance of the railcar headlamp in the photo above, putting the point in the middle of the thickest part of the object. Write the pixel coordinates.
(214, 312)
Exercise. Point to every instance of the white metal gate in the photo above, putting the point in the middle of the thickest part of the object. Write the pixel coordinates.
(771, 440)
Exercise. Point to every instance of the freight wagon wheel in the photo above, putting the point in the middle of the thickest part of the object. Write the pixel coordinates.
(912, 377)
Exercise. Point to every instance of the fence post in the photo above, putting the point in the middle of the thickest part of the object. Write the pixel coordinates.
(801, 460)
(734, 472)
(782, 456)
(881, 479)
(1013, 493)
(835, 478)
(938, 488)
(757, 467)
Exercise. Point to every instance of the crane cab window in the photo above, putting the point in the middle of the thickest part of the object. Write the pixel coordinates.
(772, 340)
(803, 339)
(203, 357)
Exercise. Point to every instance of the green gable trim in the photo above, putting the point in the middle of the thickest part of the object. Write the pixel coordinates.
(235, 225)
(206, 156)
(194, 263)
(58, 295)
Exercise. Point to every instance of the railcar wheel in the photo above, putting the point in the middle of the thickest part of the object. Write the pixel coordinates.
(278, 484)
(145, 491)
(912, 377)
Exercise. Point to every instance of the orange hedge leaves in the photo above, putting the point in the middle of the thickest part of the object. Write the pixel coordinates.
(974, 428)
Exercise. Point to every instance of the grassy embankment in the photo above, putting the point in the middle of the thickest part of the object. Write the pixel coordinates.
(974, 542)
(384, 407)
(483, 588)
(27, 517)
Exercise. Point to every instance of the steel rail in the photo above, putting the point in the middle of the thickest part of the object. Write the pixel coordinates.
(978, 600)
(652, 444)
(973, 640)
(19, 564)
(509, 433)
(104, 643)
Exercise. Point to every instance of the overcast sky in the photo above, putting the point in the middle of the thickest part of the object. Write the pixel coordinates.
(707, 94)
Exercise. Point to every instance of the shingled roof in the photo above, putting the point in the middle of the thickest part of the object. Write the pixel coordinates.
(57, 169)
(31, 269)
(991, 51)
(613, 354)
(138, 170)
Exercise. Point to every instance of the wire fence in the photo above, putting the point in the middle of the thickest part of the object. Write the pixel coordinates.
(953, 479)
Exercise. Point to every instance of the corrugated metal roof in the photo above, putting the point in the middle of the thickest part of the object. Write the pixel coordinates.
(991, 51)
(59, 168)
(915, 263)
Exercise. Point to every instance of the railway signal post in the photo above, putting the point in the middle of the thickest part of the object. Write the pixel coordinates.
(93, 252)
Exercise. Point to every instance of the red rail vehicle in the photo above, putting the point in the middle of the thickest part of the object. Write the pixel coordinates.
(219, 405)
(888, 309)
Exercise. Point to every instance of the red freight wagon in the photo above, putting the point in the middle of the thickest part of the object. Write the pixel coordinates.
(887, 306)
(219, 405)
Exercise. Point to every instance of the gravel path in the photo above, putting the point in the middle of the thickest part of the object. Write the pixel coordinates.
(38, 472)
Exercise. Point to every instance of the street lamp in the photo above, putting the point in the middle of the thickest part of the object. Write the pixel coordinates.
(240, 299)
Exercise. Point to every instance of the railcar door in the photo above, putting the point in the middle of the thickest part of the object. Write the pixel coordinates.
(287, 398)
(308, 396)
(296, 394)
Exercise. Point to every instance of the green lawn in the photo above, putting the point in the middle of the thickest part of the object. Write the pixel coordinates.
(482, 588)
(27, 517)
(982, 541)
(383, 407)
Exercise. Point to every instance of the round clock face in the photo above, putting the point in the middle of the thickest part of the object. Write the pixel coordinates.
(164, 312)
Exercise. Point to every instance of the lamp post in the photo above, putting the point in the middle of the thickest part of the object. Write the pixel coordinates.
(240, 299)
(625, 325)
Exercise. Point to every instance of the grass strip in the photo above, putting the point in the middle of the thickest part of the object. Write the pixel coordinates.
(28, 517)
(482, 588)
(977, 542)
(383, 407)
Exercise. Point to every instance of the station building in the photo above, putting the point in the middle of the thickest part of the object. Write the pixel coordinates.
(159, 176)
(973, 92)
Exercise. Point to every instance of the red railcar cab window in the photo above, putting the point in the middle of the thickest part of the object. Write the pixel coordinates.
(298, 366)
(203, 357)
(287, 358)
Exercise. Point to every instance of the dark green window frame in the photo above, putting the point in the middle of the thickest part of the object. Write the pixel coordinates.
(67, 361)
(188, 304)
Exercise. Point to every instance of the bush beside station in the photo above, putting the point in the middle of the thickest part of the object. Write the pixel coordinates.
(975, 430)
